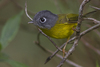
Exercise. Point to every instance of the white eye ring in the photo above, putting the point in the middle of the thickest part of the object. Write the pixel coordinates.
(43, 20)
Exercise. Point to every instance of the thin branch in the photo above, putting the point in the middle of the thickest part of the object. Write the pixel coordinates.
(80, 16)
(68, 61)
(95, 7)
(77, 32)
(50, 57)
(90, 29)
(26, 11)
(96, 31)
(90, 46)
(92, 19)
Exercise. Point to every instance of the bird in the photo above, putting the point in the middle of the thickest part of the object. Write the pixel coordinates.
(58, 26)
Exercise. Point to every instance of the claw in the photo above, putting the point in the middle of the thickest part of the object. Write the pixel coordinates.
(73, 29)
(63, 52)
(65, 46)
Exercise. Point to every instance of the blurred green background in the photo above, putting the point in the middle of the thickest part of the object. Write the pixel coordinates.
(20, 49)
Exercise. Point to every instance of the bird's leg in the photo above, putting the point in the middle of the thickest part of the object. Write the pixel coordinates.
(74, 29)
(38, 42)
(65, 46)
(38, 38)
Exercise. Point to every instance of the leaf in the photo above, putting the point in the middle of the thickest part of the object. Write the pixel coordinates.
(10, 29)
(97, 65)
(16, 64)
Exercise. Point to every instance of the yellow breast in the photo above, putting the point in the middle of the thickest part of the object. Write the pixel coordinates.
(60, 31)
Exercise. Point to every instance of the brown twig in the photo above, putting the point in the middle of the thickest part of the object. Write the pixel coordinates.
(50, 57)
(68, 61)
(96, 31)
(92, 19)
(90, 46)
(26, 12)
(77, 32)
(95, 7)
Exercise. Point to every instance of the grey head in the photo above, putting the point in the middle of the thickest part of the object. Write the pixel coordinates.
(45, 19)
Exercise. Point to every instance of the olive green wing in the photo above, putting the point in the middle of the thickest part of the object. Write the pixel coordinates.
(67, 18)
(72, 18)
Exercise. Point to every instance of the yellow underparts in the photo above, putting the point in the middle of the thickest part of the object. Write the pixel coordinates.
(60, 31)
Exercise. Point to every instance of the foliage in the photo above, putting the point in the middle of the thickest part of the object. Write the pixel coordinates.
(10, 30)
(8, 33)
(97, 65)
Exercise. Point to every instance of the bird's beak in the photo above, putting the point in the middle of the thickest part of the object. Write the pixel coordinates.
(30, 22)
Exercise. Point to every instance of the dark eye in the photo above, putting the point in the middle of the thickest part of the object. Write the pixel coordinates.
(43, 19)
